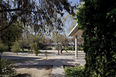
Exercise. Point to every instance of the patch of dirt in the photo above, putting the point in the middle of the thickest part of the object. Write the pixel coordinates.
(34, 71)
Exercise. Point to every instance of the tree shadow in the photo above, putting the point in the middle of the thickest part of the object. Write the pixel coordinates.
(19, 58)
(23, 75)
(40, 67)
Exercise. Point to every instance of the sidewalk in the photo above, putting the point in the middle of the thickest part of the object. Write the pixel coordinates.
(61, 61)
(58, 70)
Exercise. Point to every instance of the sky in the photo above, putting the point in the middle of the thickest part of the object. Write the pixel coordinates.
(69, 23)
(74, 1)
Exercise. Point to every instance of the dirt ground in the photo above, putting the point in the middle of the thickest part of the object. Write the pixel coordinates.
(34, 71)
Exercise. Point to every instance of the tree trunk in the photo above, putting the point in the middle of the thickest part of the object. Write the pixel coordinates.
(22, 47)
(22, 44)
(9, 47)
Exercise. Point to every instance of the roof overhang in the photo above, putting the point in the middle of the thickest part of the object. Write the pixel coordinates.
(75, 31)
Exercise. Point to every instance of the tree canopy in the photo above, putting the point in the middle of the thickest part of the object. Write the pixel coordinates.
(35, 13)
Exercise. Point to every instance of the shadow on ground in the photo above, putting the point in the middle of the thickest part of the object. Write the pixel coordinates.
(23, 75)
(19, 57)
(40, 67)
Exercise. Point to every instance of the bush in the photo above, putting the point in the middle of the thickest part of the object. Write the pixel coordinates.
(80, 48)
(70, 48)
(16, 47)
(49, 48)
(7, 68)
(2, 48)
(34, 47)
(77, 71)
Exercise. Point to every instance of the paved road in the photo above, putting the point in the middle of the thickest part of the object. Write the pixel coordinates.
(29, 59)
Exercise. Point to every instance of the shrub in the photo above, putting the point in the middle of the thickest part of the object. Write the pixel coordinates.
(77, 71)
(70, 48)
(7, 68)
(80, 48)
(34, 47)
(16, 48)
(2, 48)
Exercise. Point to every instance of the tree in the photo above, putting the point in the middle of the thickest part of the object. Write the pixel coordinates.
(11, 34)
(3, 47)
(63, 40)
(60, 39)
(16, 47)
(97, 20)
(54, 37)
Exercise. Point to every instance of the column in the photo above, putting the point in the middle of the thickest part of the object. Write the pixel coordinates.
(76, 46)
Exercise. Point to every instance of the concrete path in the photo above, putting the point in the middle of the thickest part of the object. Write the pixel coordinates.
(81, 58)
(66, 60)
(58, 70)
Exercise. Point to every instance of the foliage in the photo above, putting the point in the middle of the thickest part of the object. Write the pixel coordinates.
(16, 47)
(70, 48)
(34, 47)
(63, 40)
(41, 41)
(97, 19)
(77, 71)
(12, 33)
(80, 47)
(3, 47)
(7, 68)
(60, 39)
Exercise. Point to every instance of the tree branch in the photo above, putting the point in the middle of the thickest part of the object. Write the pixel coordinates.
(17, 9)
(12, 20)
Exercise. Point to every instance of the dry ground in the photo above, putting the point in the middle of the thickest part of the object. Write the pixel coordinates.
(34, 71)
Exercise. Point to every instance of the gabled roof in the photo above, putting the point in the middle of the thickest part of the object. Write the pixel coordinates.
(75, 31)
